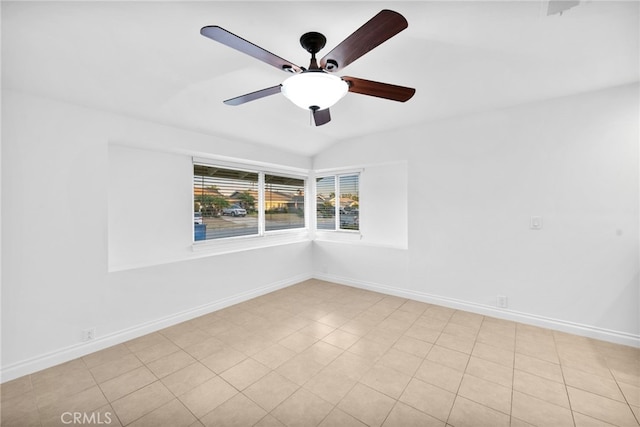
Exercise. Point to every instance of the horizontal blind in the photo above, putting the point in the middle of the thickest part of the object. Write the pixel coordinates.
(227, 199)
(283, 202)
(349, 212)
(325, 203)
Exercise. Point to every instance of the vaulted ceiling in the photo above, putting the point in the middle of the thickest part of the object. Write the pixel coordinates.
(148, 60)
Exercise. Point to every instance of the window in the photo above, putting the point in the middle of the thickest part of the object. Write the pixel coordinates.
(342, 212)
(231, 202)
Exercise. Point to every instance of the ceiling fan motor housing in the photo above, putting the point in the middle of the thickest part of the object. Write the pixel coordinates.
(313, 42)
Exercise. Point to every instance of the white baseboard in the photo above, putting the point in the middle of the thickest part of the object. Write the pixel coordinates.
(603, 334)
(66, 354)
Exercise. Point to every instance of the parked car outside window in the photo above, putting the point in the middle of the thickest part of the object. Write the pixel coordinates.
(197, 217)
(234, 210)
(349, 219)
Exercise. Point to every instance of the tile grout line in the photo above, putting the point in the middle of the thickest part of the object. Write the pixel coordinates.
(360, 377)
(414, 373)
(624, 396)
(463, 374)
(564, 380)
(334, 406)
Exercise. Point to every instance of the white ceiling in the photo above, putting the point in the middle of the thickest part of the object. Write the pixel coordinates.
(148, 60)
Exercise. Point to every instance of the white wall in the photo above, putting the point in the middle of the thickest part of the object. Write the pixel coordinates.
(468, 187)
(60, 225)
(147, 191)
(474, 183)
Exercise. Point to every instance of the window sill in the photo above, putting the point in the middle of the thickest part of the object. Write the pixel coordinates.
(203, 249)
(245, 243)
(354, 238)
(339, 236)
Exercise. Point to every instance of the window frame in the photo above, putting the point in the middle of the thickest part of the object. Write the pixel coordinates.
(263, 235)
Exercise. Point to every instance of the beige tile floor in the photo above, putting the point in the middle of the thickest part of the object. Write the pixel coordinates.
(321, 354)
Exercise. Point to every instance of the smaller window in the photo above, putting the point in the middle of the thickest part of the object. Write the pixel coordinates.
(341, 212)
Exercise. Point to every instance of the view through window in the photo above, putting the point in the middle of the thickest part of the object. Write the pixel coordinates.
(227, 202)
(325, 203)
(342, 212)
(283, 202)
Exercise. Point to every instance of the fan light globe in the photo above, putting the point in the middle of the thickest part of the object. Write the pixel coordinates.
(314, 89)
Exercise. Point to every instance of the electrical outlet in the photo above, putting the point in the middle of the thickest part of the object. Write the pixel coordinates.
(536, 223)
(88, 334)
(501, 301)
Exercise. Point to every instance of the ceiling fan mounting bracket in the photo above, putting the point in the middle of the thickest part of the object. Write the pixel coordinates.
(313, 42)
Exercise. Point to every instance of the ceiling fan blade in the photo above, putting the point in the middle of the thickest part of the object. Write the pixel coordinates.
(253, 95)
(373, 33)
(381, 90)
(223, 36)
(321, 117)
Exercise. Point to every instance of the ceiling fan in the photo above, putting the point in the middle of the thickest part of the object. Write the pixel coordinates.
(315, 88)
